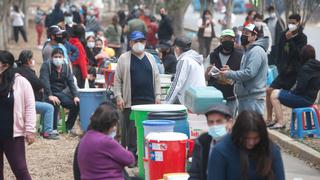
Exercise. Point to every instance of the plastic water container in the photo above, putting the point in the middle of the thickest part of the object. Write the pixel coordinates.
(180, 118)
(272, 74)
(200, 99)
(157, 126)
(90, 99)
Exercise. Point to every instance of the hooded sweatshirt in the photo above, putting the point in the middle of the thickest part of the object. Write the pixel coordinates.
(189, 73)
(252, 77)
(308, 80)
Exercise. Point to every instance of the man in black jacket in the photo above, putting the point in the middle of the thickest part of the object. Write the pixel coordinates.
(223, 55)
(59, 87)
(288, 60)
(165, 30)
(219, 122)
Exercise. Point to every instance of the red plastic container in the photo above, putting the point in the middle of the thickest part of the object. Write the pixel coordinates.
(166, 153)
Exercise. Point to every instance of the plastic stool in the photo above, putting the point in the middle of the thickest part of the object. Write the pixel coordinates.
(62, 126)
(311, 114)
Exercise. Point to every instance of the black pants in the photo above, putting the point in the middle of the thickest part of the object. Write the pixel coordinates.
(16, 30)
(77, 73)
(67, 102)
(204, 46)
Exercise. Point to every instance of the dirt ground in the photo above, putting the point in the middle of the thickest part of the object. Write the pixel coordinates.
(51, 160)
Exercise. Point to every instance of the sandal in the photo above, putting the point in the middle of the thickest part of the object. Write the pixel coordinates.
(270, 123)
(278, 126)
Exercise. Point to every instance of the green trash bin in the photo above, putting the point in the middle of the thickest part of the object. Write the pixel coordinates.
(140, 114)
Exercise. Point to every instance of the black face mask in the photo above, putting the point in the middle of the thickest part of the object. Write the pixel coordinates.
(59, 39)
(227, 46)
(244, 40)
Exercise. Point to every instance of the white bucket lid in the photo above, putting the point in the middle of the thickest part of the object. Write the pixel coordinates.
(166, 136)
(92, 90)
(159, 107)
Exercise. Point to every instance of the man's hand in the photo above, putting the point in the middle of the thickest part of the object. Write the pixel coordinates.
(225, 67)
(158, 101)
(207, 75)
(30, 138)
(55, 100)
(120, 104)
(76, 100)
(289, 35)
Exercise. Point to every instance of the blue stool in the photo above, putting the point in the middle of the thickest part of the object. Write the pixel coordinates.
(311, 114)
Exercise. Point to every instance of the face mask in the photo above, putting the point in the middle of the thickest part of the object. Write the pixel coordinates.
(227, 45)
(244, 40)
(90, 45)
(113, 134)
(258, 24)
(138, 47)
(57, 61)
(59, 39)
(68, 20)
(217, 131)
(292, 27)
(273, 15)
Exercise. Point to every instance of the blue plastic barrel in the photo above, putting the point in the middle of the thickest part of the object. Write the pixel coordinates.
(180, 118)
(90, 99)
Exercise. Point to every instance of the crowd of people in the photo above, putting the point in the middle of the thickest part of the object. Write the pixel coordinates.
(77, 47)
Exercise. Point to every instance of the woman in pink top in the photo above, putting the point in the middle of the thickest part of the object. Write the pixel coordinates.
(18, 117)
(99, 156)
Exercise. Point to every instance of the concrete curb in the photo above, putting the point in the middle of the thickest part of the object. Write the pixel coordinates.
(302, 151)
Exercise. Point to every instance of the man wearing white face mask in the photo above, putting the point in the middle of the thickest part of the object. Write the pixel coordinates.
(59, 87)
(136, 82)
(288, 61)
(219, 120)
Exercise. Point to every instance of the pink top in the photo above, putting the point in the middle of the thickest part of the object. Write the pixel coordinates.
(24, 117)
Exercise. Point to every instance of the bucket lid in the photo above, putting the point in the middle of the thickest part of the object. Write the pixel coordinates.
(158, 123)
(166, 136)
(168, 115)
(92, 90)
(159, 107)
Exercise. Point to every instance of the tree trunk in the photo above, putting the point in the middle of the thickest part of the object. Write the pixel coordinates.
(229, 8)
(176, 10)
(5, 6)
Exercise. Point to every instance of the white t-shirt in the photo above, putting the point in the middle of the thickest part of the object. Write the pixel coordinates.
(207, 30)
(17, 18)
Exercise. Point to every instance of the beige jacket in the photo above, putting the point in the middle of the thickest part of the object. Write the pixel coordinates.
(122, 81)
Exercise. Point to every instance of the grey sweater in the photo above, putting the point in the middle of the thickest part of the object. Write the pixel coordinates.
(252, 76)
(122, 81)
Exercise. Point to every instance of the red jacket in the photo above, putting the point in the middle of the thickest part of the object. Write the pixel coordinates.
(82, 60)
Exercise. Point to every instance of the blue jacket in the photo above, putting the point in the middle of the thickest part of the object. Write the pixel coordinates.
(252, 77)
(224, 162)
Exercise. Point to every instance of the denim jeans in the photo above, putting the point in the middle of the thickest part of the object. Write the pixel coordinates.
(67, 102)
(251, 104)
(46, 110)
(291, 100)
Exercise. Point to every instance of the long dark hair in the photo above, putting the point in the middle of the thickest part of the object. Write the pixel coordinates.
(7, 77)
(204, 15)
(105, 117)
(24, 57)
(16, 8)
(249, 121)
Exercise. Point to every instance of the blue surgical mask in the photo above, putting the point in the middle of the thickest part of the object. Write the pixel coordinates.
(217, 131)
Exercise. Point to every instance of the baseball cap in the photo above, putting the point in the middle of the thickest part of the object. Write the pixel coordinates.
(252, 28)
(183, 42)
(55, 29)
(164, 44)
(220, 108)
(228, 32)
(136, 35)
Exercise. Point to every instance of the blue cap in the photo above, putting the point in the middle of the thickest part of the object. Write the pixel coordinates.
(136, 35)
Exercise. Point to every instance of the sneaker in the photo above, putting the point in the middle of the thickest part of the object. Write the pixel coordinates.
(50, 136)
(54, 132)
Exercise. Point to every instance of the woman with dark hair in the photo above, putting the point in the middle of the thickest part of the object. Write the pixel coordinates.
(247, 153)
(25, 64)
(113, 35)
(305, 90)
(206, 32)
(90, 44)
(17, 18)
(250, 17)
(59, 87)
(18, 117)
(166, 54)
(99, 156)
(79, 66)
